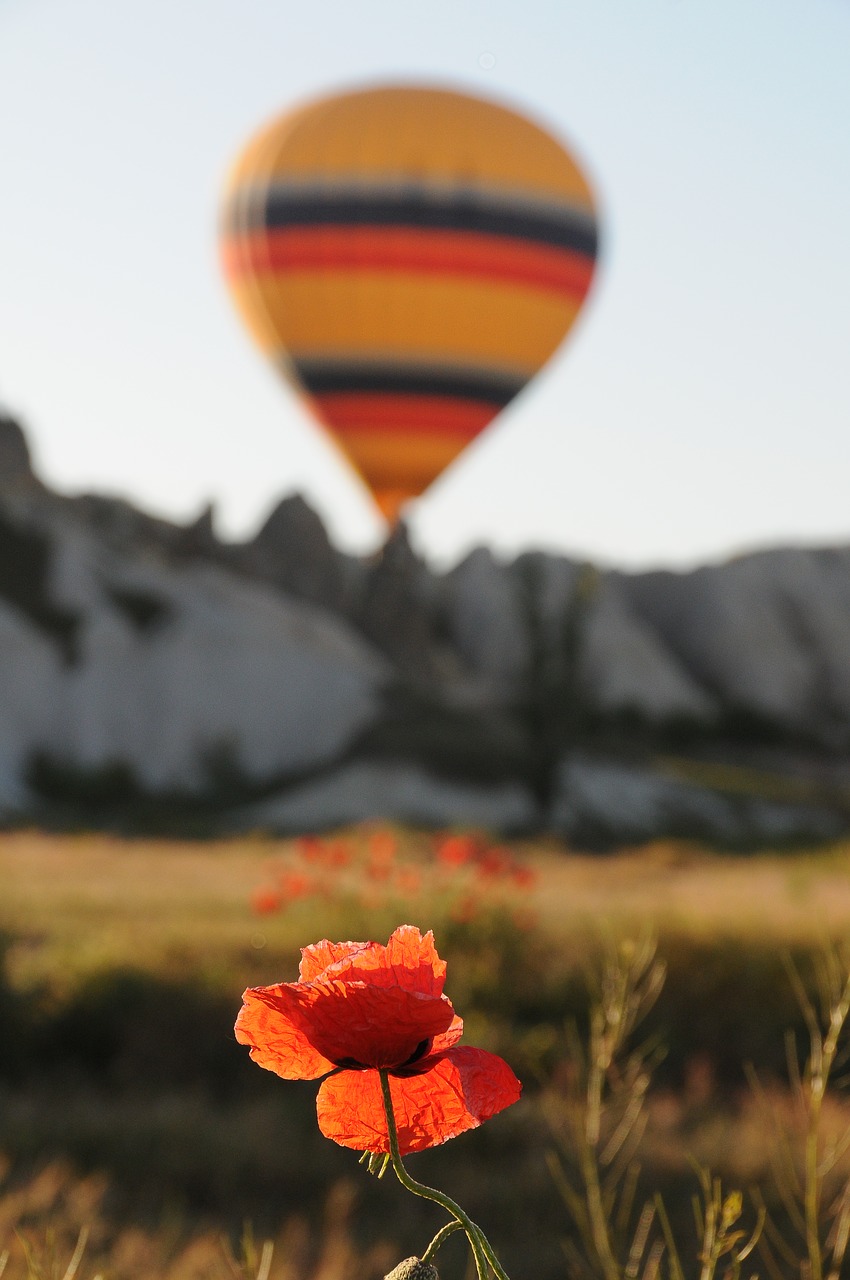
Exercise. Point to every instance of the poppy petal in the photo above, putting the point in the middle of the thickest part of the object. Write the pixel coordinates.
(319, 956)
(413, 958)
(277, 1039)
(364, 1024)
(447, 1038)
(460, 1089)
(409, 960)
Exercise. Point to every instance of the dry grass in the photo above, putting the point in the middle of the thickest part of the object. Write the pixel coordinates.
(77, 904)
(84, 905)
(46, 1211)
(675, 886)
(53, 1225)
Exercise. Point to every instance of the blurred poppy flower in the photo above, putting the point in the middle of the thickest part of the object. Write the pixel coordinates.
(524, 877)
(494, 863)
(382, 847)
(310, 848)
(266, 901)
(294, 884)
(457, 851)
(338, 853)
(361, 1006)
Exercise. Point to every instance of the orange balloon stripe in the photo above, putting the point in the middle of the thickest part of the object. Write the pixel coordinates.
(402, 249)
(430, 415)
(407, 460)
(391, 501)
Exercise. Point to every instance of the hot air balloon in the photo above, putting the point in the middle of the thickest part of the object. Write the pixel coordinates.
(409, 258)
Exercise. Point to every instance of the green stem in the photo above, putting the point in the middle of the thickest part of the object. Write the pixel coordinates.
(439, 1239)
(812, 1192)
(597, 1215)
(482, 1250)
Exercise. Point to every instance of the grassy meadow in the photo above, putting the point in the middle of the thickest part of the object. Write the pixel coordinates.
(128, 1111)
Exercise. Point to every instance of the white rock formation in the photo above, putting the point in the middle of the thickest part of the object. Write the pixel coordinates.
(608, 801)
(625, 666)
(769, 633)
(485, 621)
(29, 671)
(175, 664)
(395, 793)
(114, 651)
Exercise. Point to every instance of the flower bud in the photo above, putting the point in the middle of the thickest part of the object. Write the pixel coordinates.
(413, 1269)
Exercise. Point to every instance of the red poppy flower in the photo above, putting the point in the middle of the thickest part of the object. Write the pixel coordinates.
(494, 863)
(310, 848)
(524, 877)
(382, 847)
(294, 884)
(457, 851)
(266, 901)
(360, 1006)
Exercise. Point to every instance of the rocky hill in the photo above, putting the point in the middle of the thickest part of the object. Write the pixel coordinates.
(156, 676)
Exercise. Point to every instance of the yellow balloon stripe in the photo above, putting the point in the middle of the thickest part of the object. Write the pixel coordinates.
(419, 132)
(311, 314)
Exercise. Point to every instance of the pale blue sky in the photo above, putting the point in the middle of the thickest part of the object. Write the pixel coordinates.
(701, 406)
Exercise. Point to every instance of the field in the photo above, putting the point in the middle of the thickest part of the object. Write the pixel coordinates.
(127, 1108)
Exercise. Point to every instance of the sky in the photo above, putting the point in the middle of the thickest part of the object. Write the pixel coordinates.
(701, 405)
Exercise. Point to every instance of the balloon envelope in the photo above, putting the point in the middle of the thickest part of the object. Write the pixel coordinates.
(409, 258)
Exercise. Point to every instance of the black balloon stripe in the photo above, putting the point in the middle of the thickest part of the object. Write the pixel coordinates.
(457, 211)
(328, 377)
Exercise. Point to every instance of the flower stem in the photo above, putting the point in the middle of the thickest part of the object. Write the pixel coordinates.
(482, 1250)
(440, 1238)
